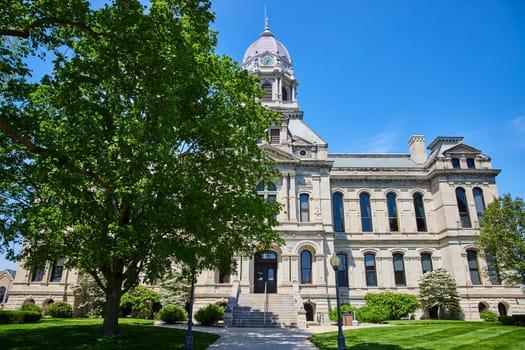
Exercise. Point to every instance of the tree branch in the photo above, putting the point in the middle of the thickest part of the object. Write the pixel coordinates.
(25, 32)
(15, 135)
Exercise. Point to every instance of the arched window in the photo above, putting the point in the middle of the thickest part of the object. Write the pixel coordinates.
(426, 262)
(473, 267)
(338, 212)
(366, 213)
(342, 271)
(399, 269)
(304, 200)
(464, 216)
(492, 269)
(306, 267)
(479, 202)
(272, 187)
(370, 270)
(419, 209)
(391, 201)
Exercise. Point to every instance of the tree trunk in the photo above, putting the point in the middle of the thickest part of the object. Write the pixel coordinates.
(112, 309)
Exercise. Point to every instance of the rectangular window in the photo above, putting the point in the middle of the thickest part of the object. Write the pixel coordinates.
(399, 270)
(56, 271)
(38, 274)
(304, 207)
(275, 136)
(370, 268)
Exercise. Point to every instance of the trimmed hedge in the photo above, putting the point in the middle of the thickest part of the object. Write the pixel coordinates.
(488, 315)
(19, 316)
(172, 314)
(209, 314)
(60, 310)
(514, 320)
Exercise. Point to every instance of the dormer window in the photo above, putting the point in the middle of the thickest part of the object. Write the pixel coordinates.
(275, 136)
(455, 163)
(471, 164)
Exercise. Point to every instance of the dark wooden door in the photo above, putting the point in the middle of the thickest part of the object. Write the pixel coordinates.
(265, 272)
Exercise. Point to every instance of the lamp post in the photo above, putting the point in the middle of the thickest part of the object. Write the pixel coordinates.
(188, 345)
(336, 262)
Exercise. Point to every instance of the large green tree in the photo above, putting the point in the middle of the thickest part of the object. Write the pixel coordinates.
(139, 147)
(503, 237)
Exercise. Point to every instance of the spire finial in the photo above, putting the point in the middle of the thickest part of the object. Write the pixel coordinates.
(266, 20)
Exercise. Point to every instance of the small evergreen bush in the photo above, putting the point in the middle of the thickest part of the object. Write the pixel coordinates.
(172, 314)
(488, 315)
(60, 310)
(209, 314)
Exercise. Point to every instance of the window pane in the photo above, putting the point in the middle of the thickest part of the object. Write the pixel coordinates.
(38, 274)
(420, 212)
(342, 271)
(338, 212)
(426, 262)
(366, 215)
(455, 163)
(370, 270)
(470, 163)
(272, 187)
(399, 270)
(275, 136)
(473, 267)
(306, 267)
(479, 202)
(305, 217)
(463, 208)
(392, 212)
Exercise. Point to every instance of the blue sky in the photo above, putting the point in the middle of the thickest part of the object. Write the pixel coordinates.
(372, 73)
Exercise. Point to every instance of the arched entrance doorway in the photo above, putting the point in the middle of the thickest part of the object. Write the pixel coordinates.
(265, 272)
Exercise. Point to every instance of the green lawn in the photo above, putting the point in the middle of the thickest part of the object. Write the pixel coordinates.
(429, 335)
(71, 334)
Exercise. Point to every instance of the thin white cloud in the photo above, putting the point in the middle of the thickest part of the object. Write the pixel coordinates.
(381, 143)
(518, 128)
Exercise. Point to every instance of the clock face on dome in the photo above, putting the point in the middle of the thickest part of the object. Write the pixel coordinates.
(267, 60)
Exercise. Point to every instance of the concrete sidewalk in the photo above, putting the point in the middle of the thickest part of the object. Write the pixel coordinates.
(261, 338)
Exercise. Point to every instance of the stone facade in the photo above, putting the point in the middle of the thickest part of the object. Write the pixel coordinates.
(389, 217)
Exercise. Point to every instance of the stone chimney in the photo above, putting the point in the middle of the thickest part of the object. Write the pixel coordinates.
(416, 145)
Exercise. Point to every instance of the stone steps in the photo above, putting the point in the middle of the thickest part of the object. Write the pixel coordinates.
(249, 311)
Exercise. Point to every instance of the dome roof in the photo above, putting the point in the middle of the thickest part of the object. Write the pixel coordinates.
(266, 43)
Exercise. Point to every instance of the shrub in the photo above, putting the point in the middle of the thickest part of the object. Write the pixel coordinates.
(172, 314)
(373, 314)
(332, 315)
(142, 302)
(397, 304)
(209, 314)
(489, 315)
(19, 316)
(514, 320)
(28, 306)
(59, 310)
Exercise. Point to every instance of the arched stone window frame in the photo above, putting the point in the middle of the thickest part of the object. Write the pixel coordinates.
(418, 200)
(365, 209)
(392, 210)
(338, 211)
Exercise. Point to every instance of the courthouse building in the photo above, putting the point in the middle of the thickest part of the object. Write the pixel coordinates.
(390, 218)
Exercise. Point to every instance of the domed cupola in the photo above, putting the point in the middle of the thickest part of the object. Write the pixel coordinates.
(269, 59)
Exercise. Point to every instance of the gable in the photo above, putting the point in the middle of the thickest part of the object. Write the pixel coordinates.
(462, 149)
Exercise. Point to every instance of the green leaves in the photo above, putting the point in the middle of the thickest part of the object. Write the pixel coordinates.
(503, 236)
